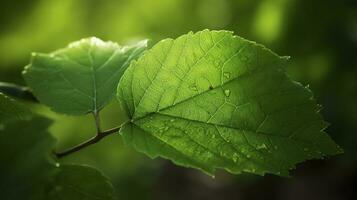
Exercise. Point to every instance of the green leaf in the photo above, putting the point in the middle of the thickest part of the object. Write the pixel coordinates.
(82, 77)
(27, 170)
(9, 110)
(80, 182)
(211, 100)
(25, 146)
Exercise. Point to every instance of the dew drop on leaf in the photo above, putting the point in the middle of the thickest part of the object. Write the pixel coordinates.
(217, 63)
(227, 74)
(262, 146)
(193, 88)
(235, 157)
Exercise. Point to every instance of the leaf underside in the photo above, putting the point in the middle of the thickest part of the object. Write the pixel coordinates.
(82, 77)
(211, 100)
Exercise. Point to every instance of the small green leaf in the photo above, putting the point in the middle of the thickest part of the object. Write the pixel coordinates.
(25, 145)
(211, 100)
(73, 182)
(9, 110)
(27, 170)
(82, 77)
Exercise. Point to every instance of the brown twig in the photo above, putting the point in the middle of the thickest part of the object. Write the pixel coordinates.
(91, 141)
(99, 136)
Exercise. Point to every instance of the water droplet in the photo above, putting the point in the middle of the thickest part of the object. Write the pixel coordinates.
(227, 74)
(227, 92)
(193, 88)
(262, 146)
(217, 63)
(248, 156)
(57, 164)
(275, 147)
(235, 157)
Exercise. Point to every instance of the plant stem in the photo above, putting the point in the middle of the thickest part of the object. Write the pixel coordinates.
(91, 141)
(97, 121)
(99, 136)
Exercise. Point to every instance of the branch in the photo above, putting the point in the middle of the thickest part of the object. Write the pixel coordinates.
(100, 135)
(91, 141)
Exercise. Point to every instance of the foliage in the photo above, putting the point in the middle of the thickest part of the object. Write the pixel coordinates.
(208, 100)
(28, 171)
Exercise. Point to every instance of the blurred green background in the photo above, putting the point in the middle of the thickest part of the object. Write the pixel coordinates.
(319, 35)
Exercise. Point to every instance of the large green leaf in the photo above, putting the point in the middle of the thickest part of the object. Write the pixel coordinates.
(82, 77)
(212, 100)
(27, 170)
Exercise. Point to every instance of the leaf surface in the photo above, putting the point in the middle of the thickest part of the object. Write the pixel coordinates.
(82, 77)
(211, 100)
